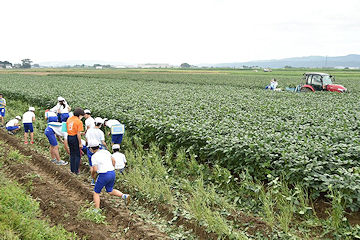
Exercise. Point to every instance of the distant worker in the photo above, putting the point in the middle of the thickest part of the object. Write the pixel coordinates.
(117, 130)
(103, 165)
(28, 119)
(54, 129)
(13, 125)
(62, 109)
(273, 84)
(2, 109)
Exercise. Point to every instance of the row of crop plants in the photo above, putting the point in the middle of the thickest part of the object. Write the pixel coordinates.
(311, 138)
(170, 182)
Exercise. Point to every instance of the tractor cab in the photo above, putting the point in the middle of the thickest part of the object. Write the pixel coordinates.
(320, 82)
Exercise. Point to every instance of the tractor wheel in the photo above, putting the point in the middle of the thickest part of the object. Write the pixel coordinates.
(305, 89)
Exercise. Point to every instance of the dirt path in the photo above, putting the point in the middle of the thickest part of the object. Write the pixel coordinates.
(61, 194)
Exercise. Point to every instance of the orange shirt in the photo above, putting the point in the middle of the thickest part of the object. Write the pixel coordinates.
(74, 125)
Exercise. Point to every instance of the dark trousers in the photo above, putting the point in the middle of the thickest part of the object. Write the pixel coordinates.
(74, 154)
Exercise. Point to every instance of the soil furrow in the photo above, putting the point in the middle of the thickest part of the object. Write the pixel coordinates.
(61, 194)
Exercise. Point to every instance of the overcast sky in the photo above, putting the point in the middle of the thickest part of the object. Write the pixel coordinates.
(169, 31)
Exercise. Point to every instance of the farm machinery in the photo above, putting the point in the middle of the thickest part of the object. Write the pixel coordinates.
(315, 81)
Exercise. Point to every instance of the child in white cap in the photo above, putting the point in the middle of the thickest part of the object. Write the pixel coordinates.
(50, 116)
(28, 119)
(117, 130)
(89, 121)
(54, 129)
(103, 165)
(120, 160)
(62, 109)
(97, 134)
(13, 125)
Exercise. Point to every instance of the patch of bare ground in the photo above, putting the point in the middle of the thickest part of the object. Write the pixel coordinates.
(51, 73)
(35, 73)
(61, 195)
(322, 207)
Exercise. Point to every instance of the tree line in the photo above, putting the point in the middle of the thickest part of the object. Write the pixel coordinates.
(25, 63)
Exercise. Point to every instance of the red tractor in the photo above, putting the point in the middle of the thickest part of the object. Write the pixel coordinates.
(316, 81)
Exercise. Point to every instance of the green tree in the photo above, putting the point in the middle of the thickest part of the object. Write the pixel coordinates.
(185, 65)
(26, 63)
(3, 64)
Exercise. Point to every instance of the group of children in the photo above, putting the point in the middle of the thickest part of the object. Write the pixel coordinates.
(67, 127)
(13, 125)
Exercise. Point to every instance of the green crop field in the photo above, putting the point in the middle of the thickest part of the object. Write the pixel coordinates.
(225, 117)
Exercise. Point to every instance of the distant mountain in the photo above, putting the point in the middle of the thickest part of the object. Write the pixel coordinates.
(352, 60)
(78, 62)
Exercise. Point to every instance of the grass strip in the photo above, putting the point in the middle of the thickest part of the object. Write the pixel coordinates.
(19, 216)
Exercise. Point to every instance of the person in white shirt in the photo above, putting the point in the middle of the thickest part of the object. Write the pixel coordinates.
(28, 119)
(62, 109)
(103, 165)
(97, 134)
(2, 109)
(120, 160)
(89, 122)
(117, 130)
(54, 129)
(50, 116)
(273, 84)
(13, 125)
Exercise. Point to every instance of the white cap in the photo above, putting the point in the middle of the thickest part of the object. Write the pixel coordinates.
(31, 109)
(115, 146)
(105, 119)
(99, 120)
(18, 117)
(61, 99)
(87, 111)
(93, 143)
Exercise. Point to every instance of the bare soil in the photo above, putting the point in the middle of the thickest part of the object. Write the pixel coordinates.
(61, 194)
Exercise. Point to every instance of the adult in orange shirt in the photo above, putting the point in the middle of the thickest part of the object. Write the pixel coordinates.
(74, 128)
